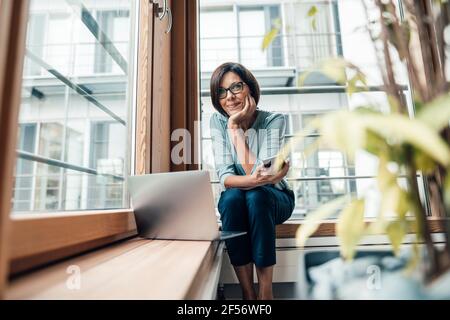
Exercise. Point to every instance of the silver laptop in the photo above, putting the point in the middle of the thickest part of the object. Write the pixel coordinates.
(176, 206)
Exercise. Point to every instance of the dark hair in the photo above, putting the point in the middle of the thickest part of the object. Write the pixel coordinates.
(242, 72)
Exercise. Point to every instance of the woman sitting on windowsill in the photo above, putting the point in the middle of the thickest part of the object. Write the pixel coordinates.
(253, 200)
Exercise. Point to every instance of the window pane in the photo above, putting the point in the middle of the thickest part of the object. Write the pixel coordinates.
(75, 106)
(24, 176)
(252, 29)
(337, 30)
(218, 43)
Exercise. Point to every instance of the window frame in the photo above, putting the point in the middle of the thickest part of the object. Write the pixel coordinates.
(33, 240)
(23, 126)
(13, 16)
(236, 10)
(29, 241)
(288, 230)
(37, 240)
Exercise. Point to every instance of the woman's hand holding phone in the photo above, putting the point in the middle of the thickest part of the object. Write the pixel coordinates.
(263, 176)
(269, 166)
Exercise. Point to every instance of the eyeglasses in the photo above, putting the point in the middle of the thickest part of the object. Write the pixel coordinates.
(235, 88)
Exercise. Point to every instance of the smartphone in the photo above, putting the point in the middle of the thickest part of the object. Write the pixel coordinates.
(269, 165)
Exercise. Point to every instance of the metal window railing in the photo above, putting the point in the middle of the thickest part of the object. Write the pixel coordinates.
(313, 90)
(102, 38)
(67, 58)
(77, 88)
(305, 49)
(61, 164)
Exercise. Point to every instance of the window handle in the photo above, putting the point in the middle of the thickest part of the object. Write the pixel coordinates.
(161, 11)
(169, 28)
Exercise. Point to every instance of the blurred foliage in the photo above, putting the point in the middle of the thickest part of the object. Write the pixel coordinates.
(411, 144)
(388, 137)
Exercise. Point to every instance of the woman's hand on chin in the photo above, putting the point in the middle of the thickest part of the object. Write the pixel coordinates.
(239, 119)
(261, 178)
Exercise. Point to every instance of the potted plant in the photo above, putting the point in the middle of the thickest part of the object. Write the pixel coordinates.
(404, 144)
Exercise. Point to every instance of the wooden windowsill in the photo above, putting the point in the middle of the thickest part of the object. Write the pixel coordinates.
(144, 269)
(38, 239)
(327, 228)
(133, 269)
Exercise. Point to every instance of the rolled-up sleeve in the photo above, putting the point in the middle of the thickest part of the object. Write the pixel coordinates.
(223, 159)
(271, 138)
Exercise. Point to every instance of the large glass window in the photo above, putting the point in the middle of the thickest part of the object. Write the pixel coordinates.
(337, 30)
(236, 32)
(76, 101)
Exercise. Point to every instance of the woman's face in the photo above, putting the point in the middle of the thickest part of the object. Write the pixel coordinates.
(233, 102)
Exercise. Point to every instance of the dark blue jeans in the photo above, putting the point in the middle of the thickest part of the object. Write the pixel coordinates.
(256, 211)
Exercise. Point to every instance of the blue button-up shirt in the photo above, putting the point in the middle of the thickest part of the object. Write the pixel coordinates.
(264, 139)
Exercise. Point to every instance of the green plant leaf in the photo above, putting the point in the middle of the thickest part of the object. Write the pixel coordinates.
(314, 24)
(359, 79)
(381, 134)
(389, 199)
(385, 178)
(447, 192)
(315, 218)
(335, 68)
(362, 78)
(418, 105)
(349, 137)
(394, 200)
(400, 129)
(436, 114)
(298, 138)
(352, 87)
(396, 231)
(375, 144)
(350, 228)
(377, 227)
(312, 11)
(423, 162)
(269, 37)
